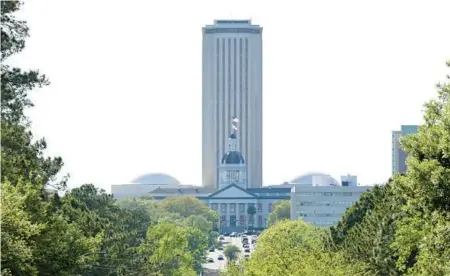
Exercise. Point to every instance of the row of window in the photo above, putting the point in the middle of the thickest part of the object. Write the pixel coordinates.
(273, 194)
(324, 203)
(241, 206)
(310, 214)
(242, 220)
(319, 211)
(231, 176)
(322, 222)
(325, 194)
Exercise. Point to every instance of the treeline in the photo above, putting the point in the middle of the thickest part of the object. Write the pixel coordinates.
(48, 230)
(87, 232)
(400, 228)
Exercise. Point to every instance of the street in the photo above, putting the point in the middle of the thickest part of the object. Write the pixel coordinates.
(219, 265)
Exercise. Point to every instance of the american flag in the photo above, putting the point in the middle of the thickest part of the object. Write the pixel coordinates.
(234, 123)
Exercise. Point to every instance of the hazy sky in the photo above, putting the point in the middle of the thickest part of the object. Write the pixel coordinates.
(125, 97)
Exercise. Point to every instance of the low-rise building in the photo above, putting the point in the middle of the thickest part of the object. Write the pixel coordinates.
(324, 205)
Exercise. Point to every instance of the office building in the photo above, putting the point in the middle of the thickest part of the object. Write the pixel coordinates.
(232, 87)
(324, 205)
(398, 155)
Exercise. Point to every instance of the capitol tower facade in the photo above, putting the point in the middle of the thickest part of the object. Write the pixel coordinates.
(232, 88)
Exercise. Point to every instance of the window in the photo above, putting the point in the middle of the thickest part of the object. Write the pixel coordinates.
(241, 207)
(234, 176)
(260, 220)
(241, 220)
(223, 219)
(214, 206)
(223, 207)
(270, 207)
(233, 220)
(233, 208)
(259, 207)
(347, 194)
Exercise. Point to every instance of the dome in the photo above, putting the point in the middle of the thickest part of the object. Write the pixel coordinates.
(156, 179)
(307, 179)
(233, 157)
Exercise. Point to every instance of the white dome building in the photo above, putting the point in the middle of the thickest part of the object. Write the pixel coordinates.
(315, 179)
(144, 184)
(156, 179)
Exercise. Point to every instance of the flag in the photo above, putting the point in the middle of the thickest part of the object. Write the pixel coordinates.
(235, 127)
(235, 120)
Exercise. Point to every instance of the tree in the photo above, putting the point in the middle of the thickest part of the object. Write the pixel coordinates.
(187, 206)
(166, 251)
(422, 235)
(251, 211)
(123, 229)
(281, 211)
(296, 248)
(26, 173)
(17, 230)
(231, 252)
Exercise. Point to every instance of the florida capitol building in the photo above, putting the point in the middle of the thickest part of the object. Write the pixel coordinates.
(232, 163)
(232, 87)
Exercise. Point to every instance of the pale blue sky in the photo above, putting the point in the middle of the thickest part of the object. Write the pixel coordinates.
(125, 97)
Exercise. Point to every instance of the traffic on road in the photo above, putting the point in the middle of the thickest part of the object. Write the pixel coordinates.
(246, 242)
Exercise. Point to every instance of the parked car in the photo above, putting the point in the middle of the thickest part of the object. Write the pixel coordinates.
(220, 258)
(247, 250)
(221, 238)
(220, 248)
(210, 260)
(246, 256)
(211, 249)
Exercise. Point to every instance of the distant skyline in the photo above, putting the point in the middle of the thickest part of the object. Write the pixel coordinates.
(125, 93)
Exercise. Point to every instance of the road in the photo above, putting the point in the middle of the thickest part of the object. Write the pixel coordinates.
(219, 265)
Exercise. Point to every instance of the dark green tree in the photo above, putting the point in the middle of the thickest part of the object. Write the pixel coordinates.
(232, 252)
(251, 211)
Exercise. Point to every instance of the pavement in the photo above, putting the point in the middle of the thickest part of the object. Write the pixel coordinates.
(220, 265)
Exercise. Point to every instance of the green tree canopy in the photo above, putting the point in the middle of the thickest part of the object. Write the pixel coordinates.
(281, 211)
(187, 206)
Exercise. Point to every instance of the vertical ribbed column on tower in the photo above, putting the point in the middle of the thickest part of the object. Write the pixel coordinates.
(232, 86)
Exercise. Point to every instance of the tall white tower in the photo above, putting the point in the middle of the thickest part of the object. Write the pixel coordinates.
(232, 87)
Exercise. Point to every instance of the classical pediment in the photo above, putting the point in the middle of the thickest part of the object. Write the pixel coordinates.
(231, 191)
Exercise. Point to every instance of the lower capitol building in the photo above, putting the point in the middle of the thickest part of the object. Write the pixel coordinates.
(233, 200)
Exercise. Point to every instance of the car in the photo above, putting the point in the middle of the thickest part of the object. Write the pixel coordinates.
(210, 260)
(220, 248)
(233, 234)
(246, 256)
(220, 258)
(221, 238)
(211, 249)
(226, 234)
(246, 245)
(247, 250)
